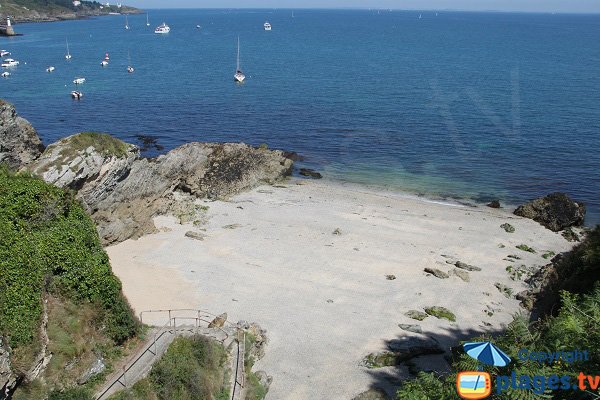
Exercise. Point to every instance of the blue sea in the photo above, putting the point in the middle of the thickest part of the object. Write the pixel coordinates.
(460, 105)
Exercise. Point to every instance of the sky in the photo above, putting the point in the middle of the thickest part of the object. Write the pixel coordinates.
(575, 6)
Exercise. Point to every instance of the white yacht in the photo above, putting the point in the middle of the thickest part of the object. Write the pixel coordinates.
(5, 74)
(162, 29)
(50, 69)
(76, 94)
(267, 26)
(9, 62)
(79, 81)
(4, 53)
(239, 76)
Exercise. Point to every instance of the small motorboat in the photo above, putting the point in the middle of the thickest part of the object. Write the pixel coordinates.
(104, 63)
(130, 69)
(4, 53)
(50, 69)
(5, 74)
(267, 26)
(162, 29)
(77, 95)
(198, 27)
(9, 62)
(79, 81)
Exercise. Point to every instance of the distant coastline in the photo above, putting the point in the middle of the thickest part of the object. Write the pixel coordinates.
(52, 13)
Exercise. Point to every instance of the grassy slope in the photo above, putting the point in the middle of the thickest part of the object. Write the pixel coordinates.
(49, 249)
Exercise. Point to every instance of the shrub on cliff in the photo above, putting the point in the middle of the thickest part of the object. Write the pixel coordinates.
(49, 244)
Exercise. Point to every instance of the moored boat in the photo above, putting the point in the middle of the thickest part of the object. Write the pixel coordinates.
(50, 69)
(76, 94)
(9, 62)
(79, 81)
(162, 29)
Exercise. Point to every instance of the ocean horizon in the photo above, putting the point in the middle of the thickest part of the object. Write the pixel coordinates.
(465, 105)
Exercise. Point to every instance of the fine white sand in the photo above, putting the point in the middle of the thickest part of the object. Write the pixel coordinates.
(323, 298)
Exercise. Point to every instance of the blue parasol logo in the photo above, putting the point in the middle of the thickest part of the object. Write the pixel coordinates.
(487, 353)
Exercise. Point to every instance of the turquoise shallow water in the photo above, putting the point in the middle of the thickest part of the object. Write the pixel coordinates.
(471, 105)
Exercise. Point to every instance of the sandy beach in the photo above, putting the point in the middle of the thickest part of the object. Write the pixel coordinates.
(307, 260)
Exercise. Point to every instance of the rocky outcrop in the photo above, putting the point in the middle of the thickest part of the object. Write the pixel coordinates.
(123, 192)
(19, 142)
(555, 211)
(7, 379)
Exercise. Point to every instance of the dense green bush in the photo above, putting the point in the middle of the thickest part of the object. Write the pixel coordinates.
(49, 243)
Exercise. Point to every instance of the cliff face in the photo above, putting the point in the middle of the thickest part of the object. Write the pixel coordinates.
(19, 142)
(121, 190)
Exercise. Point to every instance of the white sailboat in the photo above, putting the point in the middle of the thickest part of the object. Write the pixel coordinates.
(239, 75)
(68, 55)
(126, 22)
(147, 20)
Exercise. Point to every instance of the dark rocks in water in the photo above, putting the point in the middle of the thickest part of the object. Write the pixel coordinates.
(20, 144)
(311, 173)
(556, 211)
(494, 204)
(437, 273)
(292, 155)
(148, 142)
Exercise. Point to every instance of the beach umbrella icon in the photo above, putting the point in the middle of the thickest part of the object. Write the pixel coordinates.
(487, 353)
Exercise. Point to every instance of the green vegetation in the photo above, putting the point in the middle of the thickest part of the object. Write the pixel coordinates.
(50, 254)
(441, 313)
(102, 142)
(192, 368)
(524, 247)
(575, 326)
(548, 254)
(254, 389)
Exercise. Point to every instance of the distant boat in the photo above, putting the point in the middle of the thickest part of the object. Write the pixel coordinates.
(68, 55)
(77, 95)
(126, 22)
(5, 74)
(104, 63)
(50, 69)
(130, 69)
(79, 81)
(162, 29)
(9, 62)
(4, 53)
(239, 75)
(293, 14)
(147, 20)
(106, 57)
(198, 27)
(420, 16)
(267, 26)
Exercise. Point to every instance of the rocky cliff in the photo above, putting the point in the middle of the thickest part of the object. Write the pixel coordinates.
(123, 191)
(19, 142)
(56, 10)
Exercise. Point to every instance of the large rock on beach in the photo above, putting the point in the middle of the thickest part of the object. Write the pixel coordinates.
(123, 192)
(19, 142)
(556, 211)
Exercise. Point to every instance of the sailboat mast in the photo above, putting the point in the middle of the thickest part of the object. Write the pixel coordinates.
(238, 55)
